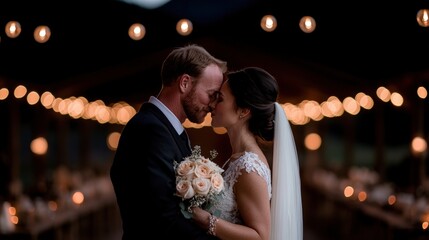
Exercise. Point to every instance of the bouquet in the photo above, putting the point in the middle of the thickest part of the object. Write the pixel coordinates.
(198, 180)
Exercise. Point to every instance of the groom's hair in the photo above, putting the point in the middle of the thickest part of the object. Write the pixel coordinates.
(191, 59)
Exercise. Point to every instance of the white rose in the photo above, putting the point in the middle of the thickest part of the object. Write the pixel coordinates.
(203, 171)
(186, 169)
(203, 160)
(201, 186)
(217, 182)
(184, 189)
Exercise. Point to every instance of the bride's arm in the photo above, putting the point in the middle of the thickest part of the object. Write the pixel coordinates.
(253, 204)
(221, 228)
(201, 217)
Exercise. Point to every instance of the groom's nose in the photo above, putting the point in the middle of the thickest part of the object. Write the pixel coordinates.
(212, 105)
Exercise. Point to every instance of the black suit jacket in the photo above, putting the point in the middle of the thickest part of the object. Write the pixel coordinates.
(143, 178)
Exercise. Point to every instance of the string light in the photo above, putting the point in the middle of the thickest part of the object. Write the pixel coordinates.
(137, 31)
(268, 23)
(184, 27)
(307, 24)
(42, 34)
(13, 29)
(423, 17)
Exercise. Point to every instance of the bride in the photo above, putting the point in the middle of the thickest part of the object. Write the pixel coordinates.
(257, 203)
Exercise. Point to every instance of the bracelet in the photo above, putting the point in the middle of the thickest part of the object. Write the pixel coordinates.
(212, 225)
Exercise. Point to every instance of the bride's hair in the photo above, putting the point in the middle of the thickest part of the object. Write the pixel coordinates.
(256, 89)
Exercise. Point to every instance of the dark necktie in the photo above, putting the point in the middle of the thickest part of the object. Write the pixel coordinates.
(184, 137)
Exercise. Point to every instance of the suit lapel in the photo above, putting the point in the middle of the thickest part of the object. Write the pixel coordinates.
(184, 147)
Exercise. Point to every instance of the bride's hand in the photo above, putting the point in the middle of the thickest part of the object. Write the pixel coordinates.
(201, 217)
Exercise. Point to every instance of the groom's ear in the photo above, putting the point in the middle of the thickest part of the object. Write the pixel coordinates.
(185, 83)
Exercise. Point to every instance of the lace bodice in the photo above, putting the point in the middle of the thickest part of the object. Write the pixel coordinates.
(225, 206)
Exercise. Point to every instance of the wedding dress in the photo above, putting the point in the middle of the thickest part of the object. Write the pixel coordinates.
(225, 204)
(284, 189)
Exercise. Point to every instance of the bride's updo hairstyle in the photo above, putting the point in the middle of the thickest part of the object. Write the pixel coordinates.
(256, 89)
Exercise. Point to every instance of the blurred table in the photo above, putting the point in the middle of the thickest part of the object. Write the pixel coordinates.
(335, 217)
(97, 218)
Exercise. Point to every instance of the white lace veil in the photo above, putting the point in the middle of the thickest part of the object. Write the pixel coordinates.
(286, 206)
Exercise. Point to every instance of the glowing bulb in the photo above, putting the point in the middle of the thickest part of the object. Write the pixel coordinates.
(184, 27)
(13, 29)
(42, 34)
(307, 24)
(423, 17)
(268, 23)
(136, 31)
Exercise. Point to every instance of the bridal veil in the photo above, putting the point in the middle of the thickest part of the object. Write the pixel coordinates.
(286, 206)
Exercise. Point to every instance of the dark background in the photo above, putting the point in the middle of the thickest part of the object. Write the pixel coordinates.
(357, 46)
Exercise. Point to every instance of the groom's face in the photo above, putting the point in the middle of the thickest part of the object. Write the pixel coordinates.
(202, 97)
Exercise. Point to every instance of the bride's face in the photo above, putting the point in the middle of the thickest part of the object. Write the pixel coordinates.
(226, 112)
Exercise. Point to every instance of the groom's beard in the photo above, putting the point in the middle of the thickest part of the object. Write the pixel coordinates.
(194, 111)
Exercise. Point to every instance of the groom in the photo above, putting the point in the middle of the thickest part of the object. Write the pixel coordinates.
(151, 142)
